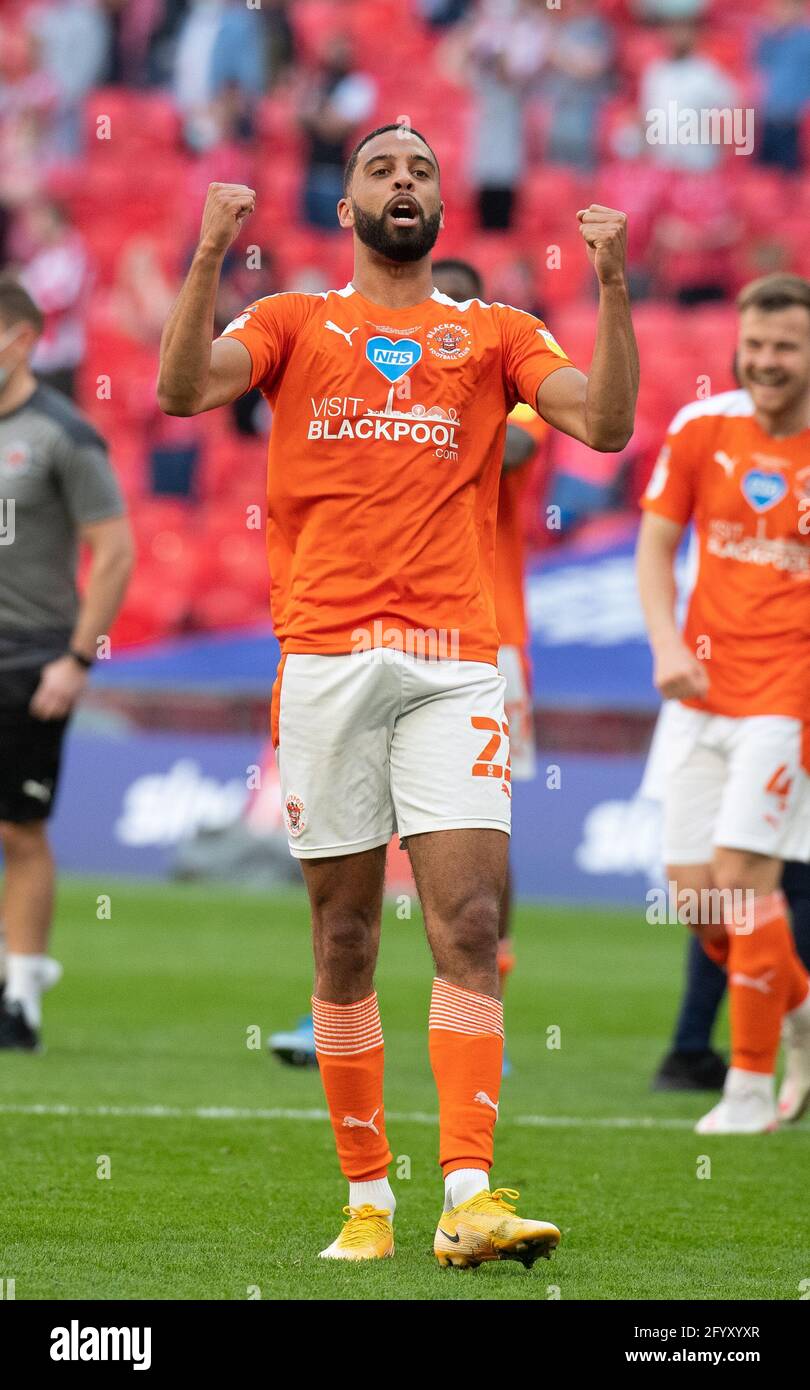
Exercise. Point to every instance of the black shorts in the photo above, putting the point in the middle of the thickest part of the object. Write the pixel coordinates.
(30, 751)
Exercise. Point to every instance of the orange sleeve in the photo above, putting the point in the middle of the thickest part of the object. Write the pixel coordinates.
(267, 327)
(672, 488)
(530, 354)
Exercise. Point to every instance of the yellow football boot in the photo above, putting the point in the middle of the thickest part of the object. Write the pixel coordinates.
(484, 1228)
(367, 1235)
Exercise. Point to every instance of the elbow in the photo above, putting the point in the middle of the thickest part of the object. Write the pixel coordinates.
(608, 434)
(611, 441)
(174, 402)
(175, 405)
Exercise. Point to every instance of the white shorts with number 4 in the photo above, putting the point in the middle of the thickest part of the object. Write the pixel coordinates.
(733, 782)
(379, 741)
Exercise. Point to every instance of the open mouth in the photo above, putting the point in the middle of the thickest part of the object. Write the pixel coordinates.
(404, 212)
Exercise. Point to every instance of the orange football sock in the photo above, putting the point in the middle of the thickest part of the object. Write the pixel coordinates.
(349, 1048)
(465, 1038)
(765, 980)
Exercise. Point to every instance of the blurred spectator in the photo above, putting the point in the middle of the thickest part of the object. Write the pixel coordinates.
(161, 40)
(576, 82)
(629, 179)
(695, 231)
(25, 84)
(336, 103)
(28, 100)
(439, 13)
(689, 83)
(504, 50)
(138, 303)
(783, 59)
(658, 10)
(57, 275)
(279, 40)
(223, 132)
(220, 45)
(134, 25)
(26, 156)
(74, 40)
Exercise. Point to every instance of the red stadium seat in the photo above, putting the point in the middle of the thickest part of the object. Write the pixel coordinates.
(550, 197)
(117, 119)
(225, 607)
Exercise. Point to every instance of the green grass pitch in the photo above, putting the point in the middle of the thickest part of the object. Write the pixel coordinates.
(155, 1011)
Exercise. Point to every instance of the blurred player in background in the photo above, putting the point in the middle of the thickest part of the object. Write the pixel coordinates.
(525, 431)
(389, 418)
(57, 491)
(692, 1063)
(737, 795)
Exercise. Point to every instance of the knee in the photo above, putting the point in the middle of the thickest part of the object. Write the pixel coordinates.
(734, 870)
(344, 935)
(473, 925)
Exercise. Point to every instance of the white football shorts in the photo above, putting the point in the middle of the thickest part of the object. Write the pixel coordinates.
(733, 782)
(519, 712)
(379, 741)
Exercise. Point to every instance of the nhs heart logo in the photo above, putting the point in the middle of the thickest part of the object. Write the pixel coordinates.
(394, 360)
(763, 490)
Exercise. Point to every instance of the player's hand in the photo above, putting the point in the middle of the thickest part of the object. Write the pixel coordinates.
(226, 207)
(678, 675)
(605, 233)
(61, 683)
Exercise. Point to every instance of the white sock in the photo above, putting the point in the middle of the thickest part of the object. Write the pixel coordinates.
(739, 1082)
(463, 1184)
(801, 1014)
(377, 1193)
(27, 978)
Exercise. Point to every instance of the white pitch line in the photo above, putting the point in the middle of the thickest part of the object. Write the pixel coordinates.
(418, 1117)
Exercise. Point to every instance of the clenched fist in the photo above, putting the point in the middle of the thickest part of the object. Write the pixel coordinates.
(605, 233)
(226, 207)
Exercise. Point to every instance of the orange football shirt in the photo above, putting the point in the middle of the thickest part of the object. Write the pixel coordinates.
(384, 460)
(510, 539)
(748, 495)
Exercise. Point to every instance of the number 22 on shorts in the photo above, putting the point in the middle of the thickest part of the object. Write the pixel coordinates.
(484, 765)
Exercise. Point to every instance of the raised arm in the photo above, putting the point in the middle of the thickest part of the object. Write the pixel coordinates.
(599, 409)
(197, 374)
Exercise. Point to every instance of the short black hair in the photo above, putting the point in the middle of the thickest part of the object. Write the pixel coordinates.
(454, 265)
(351, 163)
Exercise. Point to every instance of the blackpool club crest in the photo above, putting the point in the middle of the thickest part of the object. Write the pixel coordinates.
(449, 341)
(294, 814)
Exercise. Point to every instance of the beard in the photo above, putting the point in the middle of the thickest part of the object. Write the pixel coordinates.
(401, 244)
